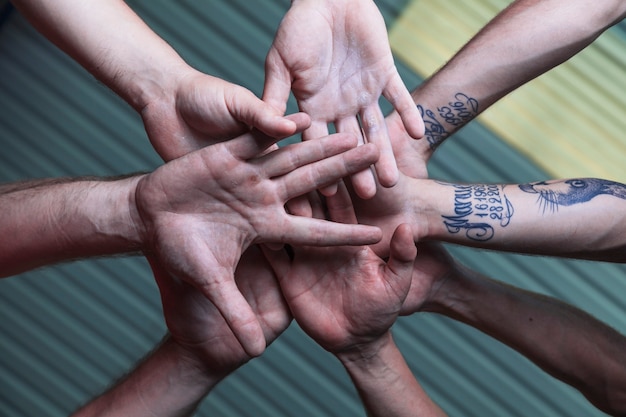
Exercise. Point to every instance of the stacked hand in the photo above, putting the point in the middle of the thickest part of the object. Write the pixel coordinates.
(196, 325)
(198, 213)
(200, 110)
(346, 297)
(336, 59)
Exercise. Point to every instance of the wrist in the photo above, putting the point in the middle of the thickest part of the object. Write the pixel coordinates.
(132, 228)
(172, 381)
(364, 355)
(455, 295)
(194, 369)
(157, 87)
(424, 206)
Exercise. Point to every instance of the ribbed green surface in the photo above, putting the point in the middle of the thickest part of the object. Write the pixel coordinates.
(68, 331)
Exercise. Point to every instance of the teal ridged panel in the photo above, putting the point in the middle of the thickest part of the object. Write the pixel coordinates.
(67, 332)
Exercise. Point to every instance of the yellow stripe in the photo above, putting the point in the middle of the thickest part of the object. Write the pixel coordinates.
(571, 121)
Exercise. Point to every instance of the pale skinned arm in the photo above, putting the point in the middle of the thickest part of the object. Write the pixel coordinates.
(564, 341)
(581, 218)
(334, 55)
(525, 40)
(182, 108)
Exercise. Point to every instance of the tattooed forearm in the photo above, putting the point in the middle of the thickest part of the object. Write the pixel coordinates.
(554, 194)
(456, 113)
(478, 211)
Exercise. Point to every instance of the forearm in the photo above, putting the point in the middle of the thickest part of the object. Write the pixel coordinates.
(525, 40)
(385, 383)
(581, 218)
(564, 341)
(169, 382)
(54, 220)
(109, 40)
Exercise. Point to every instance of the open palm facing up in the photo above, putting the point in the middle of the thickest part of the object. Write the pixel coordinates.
(198, 213)
(335, 57)
(347, 296)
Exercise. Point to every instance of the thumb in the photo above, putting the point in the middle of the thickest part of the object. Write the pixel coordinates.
(236, 311)
(161, 276)
(249, 109)
(400, 98)
(279, 261)
(402, 255)
(277, 85)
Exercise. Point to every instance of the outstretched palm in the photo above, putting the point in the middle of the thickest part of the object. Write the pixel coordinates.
(201, 211)
(335, 57)
(346, 296)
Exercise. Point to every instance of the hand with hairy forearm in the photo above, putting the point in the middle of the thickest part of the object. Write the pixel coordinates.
(200, 351)
(182, 108)
(561, 339)
(346, 299)
(236, 198)
(335, 57)
(53, 220)
(196, 214)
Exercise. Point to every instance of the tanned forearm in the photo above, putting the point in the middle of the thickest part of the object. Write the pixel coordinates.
(53, 220)
(561, 339)
(170, 382)
(385, 383)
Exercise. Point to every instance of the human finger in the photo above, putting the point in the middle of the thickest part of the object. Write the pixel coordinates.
(401, 258)
(222, 291)
(398, 95)
(326, 171)
(299, 206)
(375, 131)
(318, 129)
(277, 85)
(291, 157)
(279, 261)
(340, 207)
(251, 110)
(317, 205)
(256, 142)
(302, 231)
(402, 246)
(363, 181)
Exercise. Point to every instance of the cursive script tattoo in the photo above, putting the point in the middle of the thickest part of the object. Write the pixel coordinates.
(553, 194)
(477, 209)
(456, 113)
(460, 111)
(434, 131)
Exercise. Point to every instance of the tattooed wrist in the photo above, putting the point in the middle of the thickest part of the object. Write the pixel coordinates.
(479, 210)
(458, 112)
